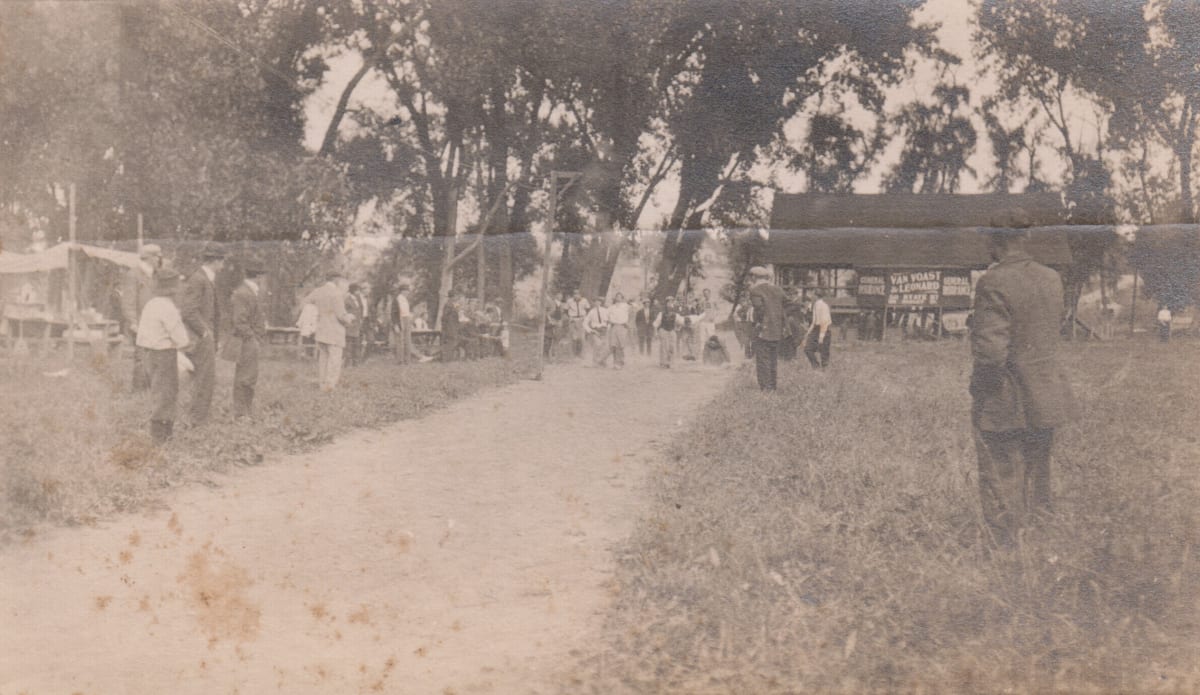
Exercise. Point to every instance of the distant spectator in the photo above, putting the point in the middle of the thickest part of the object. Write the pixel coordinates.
(451, 330)
(162, 334)
(643, 320)
(201, 314)
(819, 334)
(577, 309)
(403, 328)
(332, 319)
(618, 329)
(137, 291)
(249, 329)
(665, 323)
(595, 326)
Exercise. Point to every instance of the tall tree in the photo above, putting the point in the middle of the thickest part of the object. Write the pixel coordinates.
(938, 139)
(752, 66)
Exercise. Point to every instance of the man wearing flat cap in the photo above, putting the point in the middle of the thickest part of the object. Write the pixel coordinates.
(767, 300)
(200, 315)
(249, 330)
(1019, 391)
(161, 334)
(137, 290)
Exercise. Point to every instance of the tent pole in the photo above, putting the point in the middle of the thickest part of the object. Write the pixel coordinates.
(72, 283)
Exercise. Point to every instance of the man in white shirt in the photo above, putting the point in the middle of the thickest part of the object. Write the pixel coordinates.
(161, 333)
(577, 309)
(595, 326)
(403, 328)
(618, 329)
(136, 291)
(818, 337)
(708, 320)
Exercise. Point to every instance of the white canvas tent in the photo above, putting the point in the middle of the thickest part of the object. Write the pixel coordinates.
(55, 258)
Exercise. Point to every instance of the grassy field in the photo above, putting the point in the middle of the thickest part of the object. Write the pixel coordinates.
(827, 538)
(76, 447)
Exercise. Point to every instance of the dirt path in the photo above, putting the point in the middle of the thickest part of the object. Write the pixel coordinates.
(467, 552)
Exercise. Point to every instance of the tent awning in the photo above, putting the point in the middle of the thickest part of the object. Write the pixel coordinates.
(55, 258)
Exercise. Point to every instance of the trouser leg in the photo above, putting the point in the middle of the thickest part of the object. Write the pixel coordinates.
(141, 369)
(1001, 481)
(766, 360)
(824, 349)
(666, 347)
(204, 380)
(335, 365)
(1035, 450)
(811, 348)
(323, 366)
(164, 391)
(245, 377)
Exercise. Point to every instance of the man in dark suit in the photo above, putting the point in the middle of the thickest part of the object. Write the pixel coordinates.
(200, 315)
(769, 329)
(1019, 391)
(249, 328)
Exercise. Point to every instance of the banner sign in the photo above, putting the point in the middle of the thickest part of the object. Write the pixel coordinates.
(914, 289)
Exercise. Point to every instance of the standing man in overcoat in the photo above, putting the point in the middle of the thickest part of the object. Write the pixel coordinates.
(1019, 391)
(249, 327)
(767, 300)
(200, 312)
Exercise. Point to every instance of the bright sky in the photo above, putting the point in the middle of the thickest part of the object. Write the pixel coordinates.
(954, 35)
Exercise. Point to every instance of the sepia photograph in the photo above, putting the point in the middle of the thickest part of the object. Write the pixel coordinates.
(599, 347)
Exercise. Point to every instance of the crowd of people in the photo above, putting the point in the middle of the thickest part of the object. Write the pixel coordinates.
(684, 326)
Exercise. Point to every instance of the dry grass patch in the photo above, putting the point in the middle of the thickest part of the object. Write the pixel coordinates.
(827, 538)
(76, 448)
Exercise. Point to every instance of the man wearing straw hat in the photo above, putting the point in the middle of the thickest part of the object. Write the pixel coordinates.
(161, 333)
(200, 314)
(137, 291)
(249, 328)
(1019, 391)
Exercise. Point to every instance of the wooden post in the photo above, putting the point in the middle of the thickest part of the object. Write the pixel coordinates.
(939, 321)
(1133, 301)
(541, 308)
(447, 280)
(482, 269)
(141, 237)
(71, 281)
(883, 328)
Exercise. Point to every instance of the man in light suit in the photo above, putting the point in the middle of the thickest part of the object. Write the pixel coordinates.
(332, 319)
(199, 308)
(1019, 391)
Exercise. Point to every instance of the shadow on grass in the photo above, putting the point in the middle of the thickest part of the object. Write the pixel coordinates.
(827, 538)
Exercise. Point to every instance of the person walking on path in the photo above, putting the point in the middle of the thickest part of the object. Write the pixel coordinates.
(354, 329)
(1164, 323)
(1019, 391)
(137, 292)
(595, 326)
(577, 309)
(618, 329)
(332, 319)
(767, 301)
(644, 321)
(200, 311)
(249, 328)
(666, 322)
(161, 333)
(818, 337)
